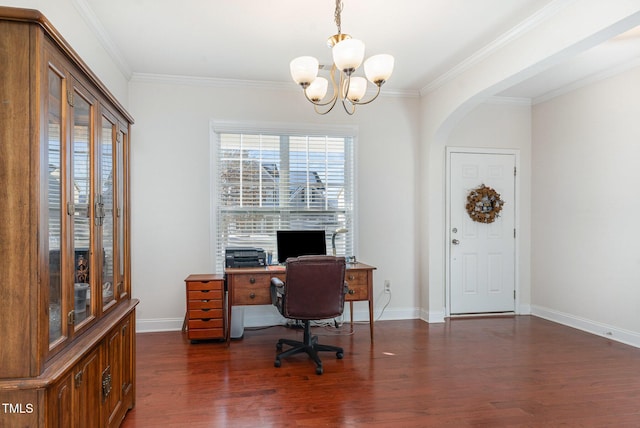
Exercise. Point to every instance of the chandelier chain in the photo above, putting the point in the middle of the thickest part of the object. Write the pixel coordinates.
(336, 15)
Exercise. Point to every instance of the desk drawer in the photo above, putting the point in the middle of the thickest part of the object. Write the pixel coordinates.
(253, 289)
(204, 295)
(358, 284)
(205, 313)
(252, 295)
(252, 280)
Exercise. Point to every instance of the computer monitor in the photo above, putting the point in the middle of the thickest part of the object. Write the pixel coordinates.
(295, 243)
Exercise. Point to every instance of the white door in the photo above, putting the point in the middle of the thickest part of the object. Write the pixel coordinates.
(481, 255)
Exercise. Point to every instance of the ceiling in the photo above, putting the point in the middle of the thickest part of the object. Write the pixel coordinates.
(255, 40)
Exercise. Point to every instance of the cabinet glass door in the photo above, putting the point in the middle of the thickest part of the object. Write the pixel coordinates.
(80, 195)
(53, 200)
(121, 146)
(106, 194)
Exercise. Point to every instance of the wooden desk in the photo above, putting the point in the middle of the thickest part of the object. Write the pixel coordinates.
(251, 286)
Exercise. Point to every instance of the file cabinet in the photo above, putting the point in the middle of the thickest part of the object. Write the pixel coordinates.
(205, 318)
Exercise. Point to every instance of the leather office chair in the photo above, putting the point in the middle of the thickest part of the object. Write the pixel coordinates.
(314, 289)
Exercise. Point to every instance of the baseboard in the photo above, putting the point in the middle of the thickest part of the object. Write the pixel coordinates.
(599, 329)
(158, 324)
(262, 316)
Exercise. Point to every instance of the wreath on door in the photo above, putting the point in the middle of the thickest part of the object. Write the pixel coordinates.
(484, 204)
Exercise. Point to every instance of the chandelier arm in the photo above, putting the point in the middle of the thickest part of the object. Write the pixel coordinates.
(346, 101)
(317, 110)
(360, 103)
(334, 87)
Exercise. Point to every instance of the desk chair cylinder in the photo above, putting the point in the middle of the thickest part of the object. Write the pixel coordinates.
(314, 289)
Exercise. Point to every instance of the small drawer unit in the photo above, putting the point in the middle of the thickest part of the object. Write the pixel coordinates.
(205, 317)
(357, 284)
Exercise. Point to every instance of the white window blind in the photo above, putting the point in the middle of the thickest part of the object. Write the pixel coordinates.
(282, 181)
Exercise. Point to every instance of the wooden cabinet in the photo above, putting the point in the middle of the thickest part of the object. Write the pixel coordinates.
(67, 312)
(205, 307)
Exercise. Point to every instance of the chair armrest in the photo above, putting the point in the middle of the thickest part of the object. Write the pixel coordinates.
(277, 291)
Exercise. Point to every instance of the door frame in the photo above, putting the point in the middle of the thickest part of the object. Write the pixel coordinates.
(447, 231)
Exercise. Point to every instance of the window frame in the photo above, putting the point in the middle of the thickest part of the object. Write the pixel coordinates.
(275, 128)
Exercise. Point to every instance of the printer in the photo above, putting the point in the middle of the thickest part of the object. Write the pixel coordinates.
(236, 257)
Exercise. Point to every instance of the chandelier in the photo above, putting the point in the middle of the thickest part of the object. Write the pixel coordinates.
(348, 55)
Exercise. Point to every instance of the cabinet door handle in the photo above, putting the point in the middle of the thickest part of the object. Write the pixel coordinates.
(351, 277)
(252, 295)
(78, 379)
(252, 280)
(352, 291)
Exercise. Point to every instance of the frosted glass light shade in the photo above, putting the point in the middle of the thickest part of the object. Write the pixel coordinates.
(318, 89)
(348, 54)
(378, 68)
(357, 88)
(304, 69)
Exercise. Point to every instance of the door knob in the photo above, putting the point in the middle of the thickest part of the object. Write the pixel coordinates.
(455, 242)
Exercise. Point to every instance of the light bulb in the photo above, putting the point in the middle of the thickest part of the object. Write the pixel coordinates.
(378, 68)
(348, 55)
(304, 70)
(317, 89)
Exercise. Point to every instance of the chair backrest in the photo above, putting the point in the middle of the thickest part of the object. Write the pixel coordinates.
(314, 287)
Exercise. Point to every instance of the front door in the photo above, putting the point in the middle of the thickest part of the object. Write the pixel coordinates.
(481, 235)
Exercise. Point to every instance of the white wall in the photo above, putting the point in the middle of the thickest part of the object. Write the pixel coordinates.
(585, 205)
(528, 50)
(171, 193)
(501, 124)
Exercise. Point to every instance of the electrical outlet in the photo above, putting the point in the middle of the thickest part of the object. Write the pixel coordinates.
(387, 286)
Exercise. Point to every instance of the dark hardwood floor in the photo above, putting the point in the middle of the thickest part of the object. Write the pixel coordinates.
(485, 372)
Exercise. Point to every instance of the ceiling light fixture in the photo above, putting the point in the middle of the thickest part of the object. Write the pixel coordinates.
(348, 54)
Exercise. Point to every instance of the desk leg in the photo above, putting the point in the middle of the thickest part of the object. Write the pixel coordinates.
(228, 320)
(351, 314)
(371, 318)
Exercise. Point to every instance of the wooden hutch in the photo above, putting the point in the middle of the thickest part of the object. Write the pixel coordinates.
(67, 319)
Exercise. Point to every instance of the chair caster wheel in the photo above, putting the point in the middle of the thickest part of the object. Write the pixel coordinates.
(277, 363)
(319, 370)
(339, 355)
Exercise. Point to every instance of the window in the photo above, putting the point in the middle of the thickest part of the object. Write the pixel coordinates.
(269, 180)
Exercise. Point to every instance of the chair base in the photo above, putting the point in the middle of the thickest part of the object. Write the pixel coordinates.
(309, 345)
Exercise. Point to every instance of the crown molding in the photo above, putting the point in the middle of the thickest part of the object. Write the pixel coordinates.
(217, 82)
(527, 25)
(237, 83)
(105, 40)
